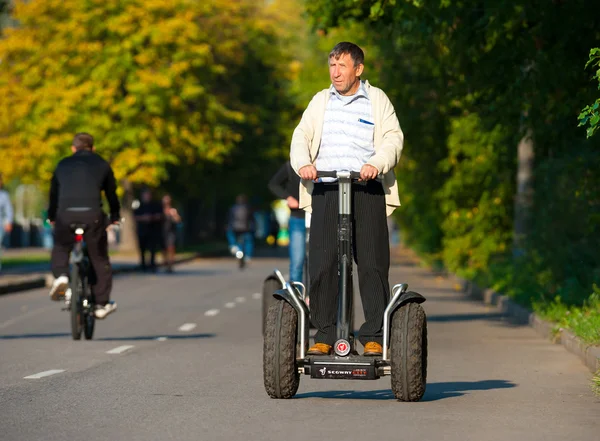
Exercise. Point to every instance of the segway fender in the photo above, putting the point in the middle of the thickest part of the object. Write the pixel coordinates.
(401, 297)
(294, 300)
(288, 295)
(408, 297)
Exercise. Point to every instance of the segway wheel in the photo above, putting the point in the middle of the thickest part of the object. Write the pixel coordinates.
(408, 352)
(270, 285)
(280, 370)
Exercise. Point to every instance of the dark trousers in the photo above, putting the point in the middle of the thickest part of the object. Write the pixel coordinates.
(149, 242)
(97, 245)
(371, 253)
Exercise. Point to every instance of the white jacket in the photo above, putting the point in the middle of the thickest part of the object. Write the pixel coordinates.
(388, 142)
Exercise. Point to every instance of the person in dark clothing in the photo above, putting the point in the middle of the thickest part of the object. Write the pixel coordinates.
(240, 224)
(75, 198)
(149, 217)
(285, 184)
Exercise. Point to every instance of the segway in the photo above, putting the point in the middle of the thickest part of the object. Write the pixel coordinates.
(286, 335)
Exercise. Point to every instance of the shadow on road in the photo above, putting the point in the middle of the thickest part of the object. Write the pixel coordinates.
(134, 338)
(156, 337)
(466, 317)
(192, 272)
(49, 335)
(439, 391)
(434, 392)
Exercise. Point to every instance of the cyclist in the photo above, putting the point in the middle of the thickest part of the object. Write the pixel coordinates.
(75, 198)
(349, 126)
(285, 184)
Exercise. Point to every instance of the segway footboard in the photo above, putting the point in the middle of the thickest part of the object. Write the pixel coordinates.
(344, 368)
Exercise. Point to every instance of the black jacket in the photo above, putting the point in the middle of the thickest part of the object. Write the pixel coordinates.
(286, 183)
(77, 183)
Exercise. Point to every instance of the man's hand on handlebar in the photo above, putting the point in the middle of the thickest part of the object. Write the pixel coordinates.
(368, 172)
(308, 172)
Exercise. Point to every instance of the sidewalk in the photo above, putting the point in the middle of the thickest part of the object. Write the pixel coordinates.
(27, 276)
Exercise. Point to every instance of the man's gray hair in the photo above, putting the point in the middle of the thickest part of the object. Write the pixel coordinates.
(356, 53)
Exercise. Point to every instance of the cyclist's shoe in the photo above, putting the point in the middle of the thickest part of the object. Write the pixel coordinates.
(102, 311)
(373, 349)
(59, 287)
(319, 349)
(68, 297)
(234, 250)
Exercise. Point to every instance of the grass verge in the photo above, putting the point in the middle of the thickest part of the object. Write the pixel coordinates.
(596, 383)
(565, 306)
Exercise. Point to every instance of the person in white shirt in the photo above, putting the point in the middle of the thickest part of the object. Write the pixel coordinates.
(350, 126)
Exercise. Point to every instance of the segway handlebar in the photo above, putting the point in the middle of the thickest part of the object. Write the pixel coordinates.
(339, 174)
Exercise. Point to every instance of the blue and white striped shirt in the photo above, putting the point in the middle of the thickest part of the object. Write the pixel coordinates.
(347, 139)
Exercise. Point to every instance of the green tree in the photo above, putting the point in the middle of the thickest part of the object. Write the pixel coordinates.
(511, 64)
(590, 115)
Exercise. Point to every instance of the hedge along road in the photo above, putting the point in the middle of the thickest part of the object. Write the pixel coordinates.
(182, 359)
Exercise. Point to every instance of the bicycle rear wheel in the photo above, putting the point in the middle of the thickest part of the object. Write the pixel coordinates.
(76, 303)
(89, 315)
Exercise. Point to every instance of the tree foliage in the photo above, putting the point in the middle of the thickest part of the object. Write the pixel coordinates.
(468, 79)
(590, 115)
(151, 80)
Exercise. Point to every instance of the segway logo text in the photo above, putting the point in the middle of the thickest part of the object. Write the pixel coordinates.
(324, 372)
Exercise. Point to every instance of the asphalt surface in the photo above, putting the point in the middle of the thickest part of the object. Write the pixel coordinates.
(186, 364)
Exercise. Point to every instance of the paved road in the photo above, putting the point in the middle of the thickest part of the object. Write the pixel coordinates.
(488, 379)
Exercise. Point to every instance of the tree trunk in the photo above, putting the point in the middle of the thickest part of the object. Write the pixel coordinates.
(525, 192)
(128, 229)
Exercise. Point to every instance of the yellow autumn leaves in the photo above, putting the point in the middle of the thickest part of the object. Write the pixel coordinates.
(149, 79)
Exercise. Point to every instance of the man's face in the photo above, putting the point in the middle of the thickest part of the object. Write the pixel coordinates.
(146, 196)
(344, 74)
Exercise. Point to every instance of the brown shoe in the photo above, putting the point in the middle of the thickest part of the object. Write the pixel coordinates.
(373, 349)
(319, 349)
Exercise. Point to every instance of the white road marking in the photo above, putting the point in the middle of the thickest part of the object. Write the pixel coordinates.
(187, 327)
(119, 349)
(230, 305)
(211, 312)
(162, 339)
(240, 299)
(44, 374)
(257, 296)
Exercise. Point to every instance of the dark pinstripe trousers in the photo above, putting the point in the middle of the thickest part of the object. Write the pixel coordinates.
(371, 253)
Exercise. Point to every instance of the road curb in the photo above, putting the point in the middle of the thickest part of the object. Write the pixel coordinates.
(589, 354)
(36, 281)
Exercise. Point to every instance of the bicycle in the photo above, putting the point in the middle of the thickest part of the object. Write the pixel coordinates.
(82, 305)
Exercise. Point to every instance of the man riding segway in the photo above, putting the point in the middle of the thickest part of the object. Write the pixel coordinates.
(350, 126)
(345, 149)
